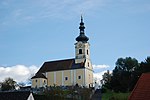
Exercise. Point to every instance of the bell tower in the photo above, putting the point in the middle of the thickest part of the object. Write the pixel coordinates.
(82, 46)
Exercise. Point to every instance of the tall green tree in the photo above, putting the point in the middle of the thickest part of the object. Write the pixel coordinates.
(123, 74)
(106, 77)
(145, 65)
(127, 64)
(8, 84)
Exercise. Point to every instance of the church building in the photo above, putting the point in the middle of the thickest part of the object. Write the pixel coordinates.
(68, 72)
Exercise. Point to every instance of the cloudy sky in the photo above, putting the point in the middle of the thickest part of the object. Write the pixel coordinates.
(35, 31)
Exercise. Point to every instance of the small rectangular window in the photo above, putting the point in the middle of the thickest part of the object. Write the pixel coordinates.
(80, 51)
(44, 82)
(79, 77)
(87, 52)
(88, 64)
(66, 78)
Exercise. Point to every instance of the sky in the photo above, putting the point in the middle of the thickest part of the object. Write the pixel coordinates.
(35, 31)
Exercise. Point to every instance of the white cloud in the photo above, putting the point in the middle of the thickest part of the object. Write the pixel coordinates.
(99, 70)
(98, 76)
(100, 66)
(20, 73)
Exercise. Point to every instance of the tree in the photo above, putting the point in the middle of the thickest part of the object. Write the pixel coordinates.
(8, 84)
(106, 77)
(123, 74)
(126, 74)
(128, 64)
(145, 65)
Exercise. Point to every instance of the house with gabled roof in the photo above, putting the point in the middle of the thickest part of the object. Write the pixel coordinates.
(68, 72)
(141, 90)
(16, 95)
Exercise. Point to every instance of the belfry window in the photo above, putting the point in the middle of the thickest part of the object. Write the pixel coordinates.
(80, 51)
(87, 52)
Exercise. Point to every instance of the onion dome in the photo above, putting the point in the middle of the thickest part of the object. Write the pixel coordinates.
(82, 36)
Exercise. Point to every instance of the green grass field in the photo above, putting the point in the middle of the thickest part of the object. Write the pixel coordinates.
(115, 96)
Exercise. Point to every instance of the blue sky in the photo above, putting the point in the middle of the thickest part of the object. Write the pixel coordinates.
(35, 31)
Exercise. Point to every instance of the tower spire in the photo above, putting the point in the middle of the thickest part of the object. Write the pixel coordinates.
(81, 18)
(81, 27)
(82, 36)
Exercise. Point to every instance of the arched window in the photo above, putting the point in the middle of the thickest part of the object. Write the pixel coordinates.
(80, 51)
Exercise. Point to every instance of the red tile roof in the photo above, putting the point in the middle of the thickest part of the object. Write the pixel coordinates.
(141, 90)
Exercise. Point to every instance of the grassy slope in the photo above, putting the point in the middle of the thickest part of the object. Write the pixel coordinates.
(115, 96)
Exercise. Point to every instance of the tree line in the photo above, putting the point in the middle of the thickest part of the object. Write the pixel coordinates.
(8, 84)
(125, 74)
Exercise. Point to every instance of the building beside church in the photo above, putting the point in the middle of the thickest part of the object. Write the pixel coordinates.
(141, 90)
(16, 95)
(68, 72)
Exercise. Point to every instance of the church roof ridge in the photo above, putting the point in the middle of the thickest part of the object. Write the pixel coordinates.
(58, 60)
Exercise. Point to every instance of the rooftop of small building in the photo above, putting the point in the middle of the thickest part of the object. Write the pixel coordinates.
(14, 95)
(141, 90)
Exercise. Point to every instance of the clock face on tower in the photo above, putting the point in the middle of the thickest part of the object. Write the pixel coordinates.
(80, 45)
